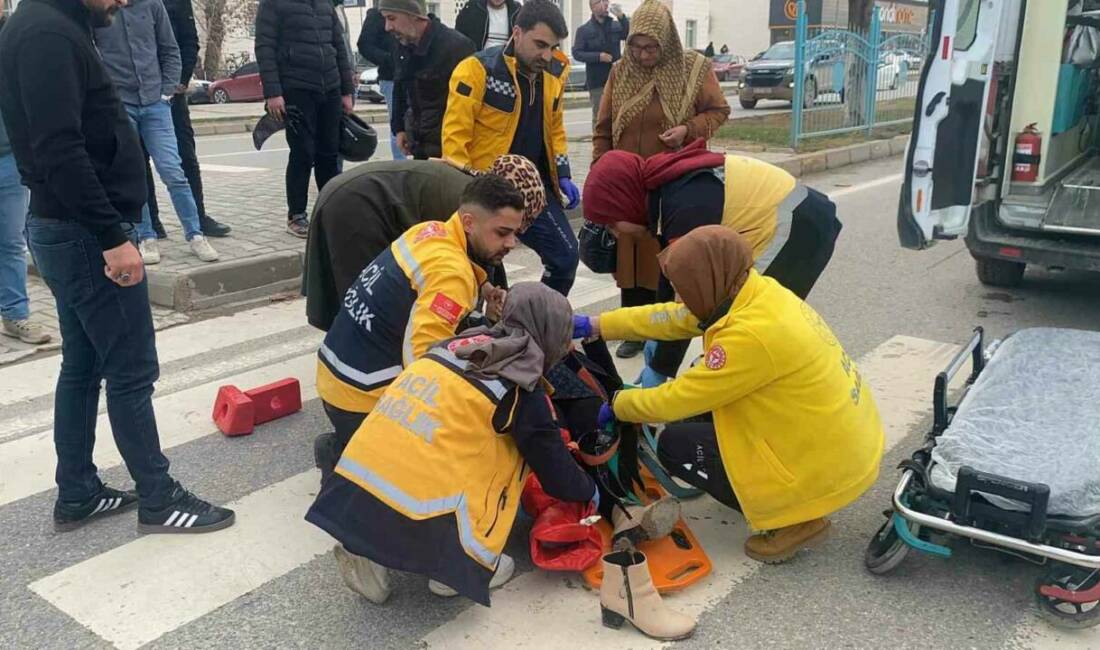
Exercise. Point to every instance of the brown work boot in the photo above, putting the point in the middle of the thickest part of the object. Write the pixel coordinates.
(778, 546)
(642, 523)
(627, 593)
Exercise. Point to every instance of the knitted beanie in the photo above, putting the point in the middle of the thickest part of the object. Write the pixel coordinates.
(414, 7)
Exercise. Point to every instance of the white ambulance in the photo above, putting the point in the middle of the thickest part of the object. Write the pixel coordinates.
(1004, 150)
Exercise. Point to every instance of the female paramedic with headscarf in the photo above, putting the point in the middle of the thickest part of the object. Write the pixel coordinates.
(430, 483)
(790, 228)
(793, 433)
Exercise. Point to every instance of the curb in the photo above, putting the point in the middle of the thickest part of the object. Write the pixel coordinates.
(820, 161)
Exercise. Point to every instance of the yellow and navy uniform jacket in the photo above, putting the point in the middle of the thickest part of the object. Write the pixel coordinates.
(483, 111)
(411, 296)
(797, 427)
(430, 483)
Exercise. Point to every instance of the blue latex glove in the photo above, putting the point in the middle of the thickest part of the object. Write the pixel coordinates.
(571, 192)
(582, 326)
(606, 416)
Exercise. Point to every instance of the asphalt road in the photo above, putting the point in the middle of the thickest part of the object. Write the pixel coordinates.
(267, 582)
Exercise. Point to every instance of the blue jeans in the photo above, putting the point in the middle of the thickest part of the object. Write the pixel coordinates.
(13, 262)
(154, 124)
(553, 239)
(387, 92)
(107, 334)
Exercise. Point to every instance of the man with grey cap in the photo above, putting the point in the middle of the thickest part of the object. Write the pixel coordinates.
(427, 53)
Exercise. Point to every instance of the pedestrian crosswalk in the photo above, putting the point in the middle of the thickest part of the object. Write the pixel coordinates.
(269, 580)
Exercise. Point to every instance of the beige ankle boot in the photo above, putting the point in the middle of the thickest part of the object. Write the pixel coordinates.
(641, 523)
(627, 593)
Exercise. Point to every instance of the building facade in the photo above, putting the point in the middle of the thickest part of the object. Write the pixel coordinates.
(897, 16)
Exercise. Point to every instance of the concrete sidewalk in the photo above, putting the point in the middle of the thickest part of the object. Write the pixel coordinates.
(261, 261)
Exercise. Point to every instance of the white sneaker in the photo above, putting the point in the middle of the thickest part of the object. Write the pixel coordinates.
(25, 331)
(202, 249)
(150, 253)
(506, 568)
(364, 577)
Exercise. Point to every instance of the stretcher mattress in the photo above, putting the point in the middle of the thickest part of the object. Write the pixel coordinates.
(1033, 415)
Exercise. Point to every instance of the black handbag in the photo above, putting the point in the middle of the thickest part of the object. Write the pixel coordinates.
(598, 248)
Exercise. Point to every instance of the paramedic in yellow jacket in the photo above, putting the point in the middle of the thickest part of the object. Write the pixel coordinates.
(795, 434)
(791, 228)
(511, 99)
(431, 481)
(411, 296)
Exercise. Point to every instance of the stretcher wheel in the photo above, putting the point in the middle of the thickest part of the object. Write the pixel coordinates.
(1063, 613)
(887, 550)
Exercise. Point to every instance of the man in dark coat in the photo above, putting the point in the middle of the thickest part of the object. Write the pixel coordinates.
(379, 47)
(428, 54)
(182, 20)
(487, 23)
(307, 79)
(598, 45)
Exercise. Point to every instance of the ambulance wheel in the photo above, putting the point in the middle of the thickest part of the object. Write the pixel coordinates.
(1062, 613)
(999, 273)
(886, 550)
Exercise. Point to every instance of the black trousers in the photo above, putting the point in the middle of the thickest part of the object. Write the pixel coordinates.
(313, 133)
(346, 424)
(689, 451)
(185, 137)
(797, 266)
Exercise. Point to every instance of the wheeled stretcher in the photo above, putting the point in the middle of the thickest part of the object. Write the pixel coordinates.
(1013, 467)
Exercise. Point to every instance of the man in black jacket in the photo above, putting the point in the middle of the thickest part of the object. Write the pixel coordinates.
(78, 154)
(182, 19)
(379, 47)
(429, 53)
(598, 45)
(307, 78)
(487, 23)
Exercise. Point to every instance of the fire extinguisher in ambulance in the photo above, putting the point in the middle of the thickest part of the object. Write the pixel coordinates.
(1025, 160)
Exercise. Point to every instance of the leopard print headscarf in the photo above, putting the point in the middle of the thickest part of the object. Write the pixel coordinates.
(525, 176)
(677, 78)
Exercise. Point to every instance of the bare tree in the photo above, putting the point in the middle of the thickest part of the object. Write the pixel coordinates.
(216, 20)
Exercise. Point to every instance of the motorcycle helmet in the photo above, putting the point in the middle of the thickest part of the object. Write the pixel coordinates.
(358, 140)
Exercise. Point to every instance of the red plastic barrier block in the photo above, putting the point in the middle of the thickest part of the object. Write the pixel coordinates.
(275, 400)
(233, 411)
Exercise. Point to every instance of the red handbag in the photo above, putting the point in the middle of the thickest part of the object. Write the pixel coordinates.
(559, 542)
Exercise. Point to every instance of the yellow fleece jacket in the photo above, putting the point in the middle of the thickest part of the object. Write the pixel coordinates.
(797, 427)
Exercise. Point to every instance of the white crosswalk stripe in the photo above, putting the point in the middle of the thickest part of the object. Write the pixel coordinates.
(136, 592)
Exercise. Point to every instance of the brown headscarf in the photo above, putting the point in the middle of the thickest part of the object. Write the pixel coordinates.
(533, 335)
(677, 79)
(707, 266)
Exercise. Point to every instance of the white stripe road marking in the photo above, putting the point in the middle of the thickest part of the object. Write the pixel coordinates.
(114, 595)
(39, 377)
(845, 191)
(27, 464)
(900, 371)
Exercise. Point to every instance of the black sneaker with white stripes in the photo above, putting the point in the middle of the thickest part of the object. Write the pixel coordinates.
(109, 501)
(185, 513)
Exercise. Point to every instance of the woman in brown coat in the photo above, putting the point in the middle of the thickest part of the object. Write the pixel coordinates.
(658, 98)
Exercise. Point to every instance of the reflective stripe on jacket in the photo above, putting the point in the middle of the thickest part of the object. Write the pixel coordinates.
(410, 297)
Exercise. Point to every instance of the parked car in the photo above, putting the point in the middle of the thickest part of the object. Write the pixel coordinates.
(771, 76)
(369, 87)
(198, 92)
(727, 67)
(241, 86)
(577, 76)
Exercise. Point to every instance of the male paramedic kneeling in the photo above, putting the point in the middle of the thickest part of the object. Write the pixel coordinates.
(411, 296)
(430, 482)
(795, 434)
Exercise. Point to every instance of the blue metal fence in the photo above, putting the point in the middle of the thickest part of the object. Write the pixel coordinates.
(852, 81)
